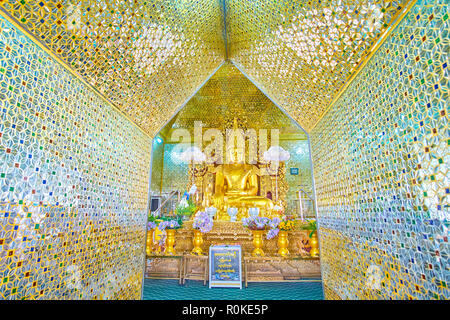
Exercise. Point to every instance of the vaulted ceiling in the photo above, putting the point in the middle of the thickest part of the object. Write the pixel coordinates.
(230, 95)
(149, 57)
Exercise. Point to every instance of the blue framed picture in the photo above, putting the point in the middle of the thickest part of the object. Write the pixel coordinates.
(225, 266)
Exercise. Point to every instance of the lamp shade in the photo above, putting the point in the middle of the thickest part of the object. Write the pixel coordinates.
(276, 153)
(192, 154)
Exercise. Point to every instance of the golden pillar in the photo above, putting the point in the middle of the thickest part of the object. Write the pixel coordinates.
(258, 242)
(170, 241)
(197, 241)
(283, 243)
(149, 246)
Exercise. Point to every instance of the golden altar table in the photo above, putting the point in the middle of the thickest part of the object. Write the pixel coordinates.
(254, 269)
(234, 233)
(299, 265)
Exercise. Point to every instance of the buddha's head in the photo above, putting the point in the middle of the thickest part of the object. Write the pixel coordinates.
(235, 152)
(234, 156)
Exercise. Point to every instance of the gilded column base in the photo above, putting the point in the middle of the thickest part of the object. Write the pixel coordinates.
(197, 242)
(258, 243)
(314, 245)
(283, 244)
(170, 241)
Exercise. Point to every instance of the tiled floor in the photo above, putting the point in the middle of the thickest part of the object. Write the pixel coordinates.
(155, 289)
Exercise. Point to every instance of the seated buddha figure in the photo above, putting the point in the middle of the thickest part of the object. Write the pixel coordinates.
(236, 185)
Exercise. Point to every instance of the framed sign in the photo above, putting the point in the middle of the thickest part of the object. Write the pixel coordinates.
(294, 171)
(225, 267)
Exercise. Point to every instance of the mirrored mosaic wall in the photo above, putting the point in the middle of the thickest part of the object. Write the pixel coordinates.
(157, 166)
(299, 151)
(381, 165)
(147, 57)
(73, 181)
(176, 173)
(303, 52)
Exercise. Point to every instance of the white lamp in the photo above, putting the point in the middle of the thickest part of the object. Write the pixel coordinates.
(276, 154)
(191, 155)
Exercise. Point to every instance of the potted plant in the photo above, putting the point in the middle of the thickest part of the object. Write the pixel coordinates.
(312, 227)
(203, 223)
(258, 225)
(185, 208)
(170, 225)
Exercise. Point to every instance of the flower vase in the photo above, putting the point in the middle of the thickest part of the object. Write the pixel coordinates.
(232, 212)
(170, 241)
(253, 212)
(258, 243)
(149, 246)
(211, 211)
(197, 241)
(314, 245)
(283, 243)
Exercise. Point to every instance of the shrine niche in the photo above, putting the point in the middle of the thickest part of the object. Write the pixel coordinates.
(238, 183)
(262, 185)
(226, 97)
(232, 179)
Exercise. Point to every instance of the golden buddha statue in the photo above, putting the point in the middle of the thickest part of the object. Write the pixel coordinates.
(236, 185)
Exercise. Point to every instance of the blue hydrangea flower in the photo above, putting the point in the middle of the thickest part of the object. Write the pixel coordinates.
(272, 233)
(202, 222)
(151, 225)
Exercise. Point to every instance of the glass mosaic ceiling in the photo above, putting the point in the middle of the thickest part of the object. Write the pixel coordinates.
(228, 94)
(145, 57)
(149, 57)
(302, 53)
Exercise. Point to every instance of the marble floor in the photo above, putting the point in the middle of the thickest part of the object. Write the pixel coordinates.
(156, 289)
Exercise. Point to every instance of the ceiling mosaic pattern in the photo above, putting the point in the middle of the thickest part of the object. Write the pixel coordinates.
(148, 57)
(228, 94)
(303, 52)
(145, 57)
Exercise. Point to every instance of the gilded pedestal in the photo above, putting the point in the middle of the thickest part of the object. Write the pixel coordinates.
(149, 246)
(283, 243)
(222, 215)
(271, 267)
(170, 241)
(242, 213)
(314, 245)
(197, 242)
(234, 233)
(258, 243)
